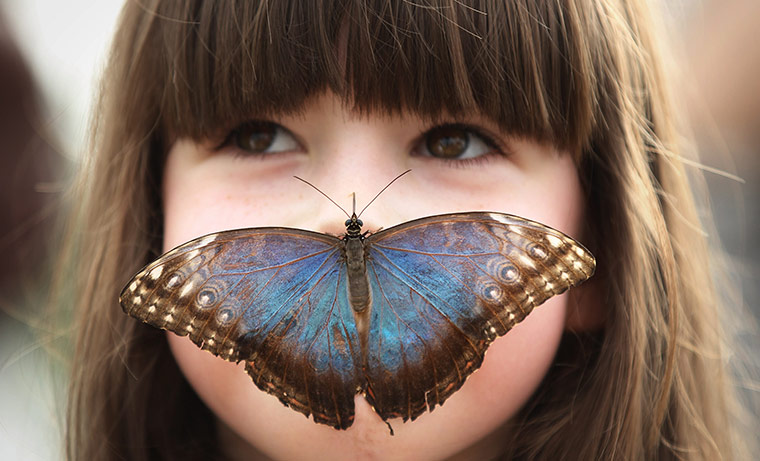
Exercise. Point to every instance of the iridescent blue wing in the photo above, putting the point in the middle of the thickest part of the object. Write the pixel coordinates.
(272, 297)
(443, 288)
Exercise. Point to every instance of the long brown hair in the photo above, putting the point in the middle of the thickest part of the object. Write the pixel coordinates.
(584, 75)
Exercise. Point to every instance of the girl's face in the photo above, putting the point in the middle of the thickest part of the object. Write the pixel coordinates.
(245, 179)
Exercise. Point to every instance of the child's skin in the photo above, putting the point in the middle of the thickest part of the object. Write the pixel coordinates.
(208, 190)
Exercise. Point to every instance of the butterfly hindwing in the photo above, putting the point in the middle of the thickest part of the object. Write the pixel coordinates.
(271, 297)
(444, 288)
(417, 356)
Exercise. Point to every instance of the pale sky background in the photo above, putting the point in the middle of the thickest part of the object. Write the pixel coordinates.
(65, 43)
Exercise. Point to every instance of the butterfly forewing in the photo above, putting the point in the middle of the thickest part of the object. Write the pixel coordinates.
(444, 288)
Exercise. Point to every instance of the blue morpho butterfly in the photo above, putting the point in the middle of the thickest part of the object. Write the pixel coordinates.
(402, 316)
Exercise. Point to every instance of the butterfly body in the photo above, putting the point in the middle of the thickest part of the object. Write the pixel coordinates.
(402, 316)
(355, 256)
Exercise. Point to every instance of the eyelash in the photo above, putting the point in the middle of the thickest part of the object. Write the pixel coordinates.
(420, 143)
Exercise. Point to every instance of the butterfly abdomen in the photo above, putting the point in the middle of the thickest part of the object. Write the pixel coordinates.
(358, 284)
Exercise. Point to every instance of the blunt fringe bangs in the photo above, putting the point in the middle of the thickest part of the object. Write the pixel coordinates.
(217, 63)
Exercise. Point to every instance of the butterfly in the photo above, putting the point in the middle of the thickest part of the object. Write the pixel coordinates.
(402, 316)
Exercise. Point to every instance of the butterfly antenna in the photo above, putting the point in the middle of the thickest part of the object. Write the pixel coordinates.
(383, 190)
(327, 196)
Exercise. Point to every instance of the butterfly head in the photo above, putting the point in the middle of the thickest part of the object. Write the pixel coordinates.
(354, 226)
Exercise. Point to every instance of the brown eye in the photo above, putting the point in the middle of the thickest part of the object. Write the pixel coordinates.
(447, 141)
(255, 136)
(263, 138)
(456, 142)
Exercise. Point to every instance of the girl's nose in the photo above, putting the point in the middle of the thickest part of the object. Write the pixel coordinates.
(353, 154)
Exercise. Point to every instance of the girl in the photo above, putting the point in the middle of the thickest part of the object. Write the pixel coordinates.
(556, 111)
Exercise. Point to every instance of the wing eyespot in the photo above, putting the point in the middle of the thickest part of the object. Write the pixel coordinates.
(491, 292)
(505, 271)
(225, 315)
(537, 251)
(207, 297)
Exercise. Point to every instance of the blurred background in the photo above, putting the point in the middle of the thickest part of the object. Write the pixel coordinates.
(51, 53)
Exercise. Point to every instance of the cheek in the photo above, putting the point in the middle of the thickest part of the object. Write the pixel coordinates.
(185, 205)
(213, 194)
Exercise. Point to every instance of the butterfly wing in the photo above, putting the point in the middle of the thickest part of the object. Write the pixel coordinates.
(443, 288)
(272, 297)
